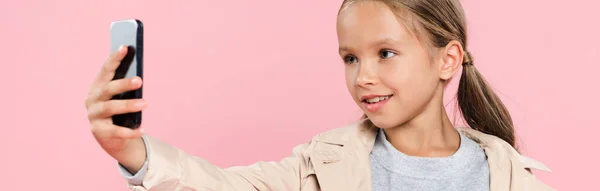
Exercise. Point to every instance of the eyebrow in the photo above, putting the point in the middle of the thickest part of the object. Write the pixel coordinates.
(344, 49)
(388, 41)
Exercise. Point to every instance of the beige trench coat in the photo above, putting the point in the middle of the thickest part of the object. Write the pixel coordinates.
(337, 160)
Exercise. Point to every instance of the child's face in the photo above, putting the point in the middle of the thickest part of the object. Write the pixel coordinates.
(384, 59)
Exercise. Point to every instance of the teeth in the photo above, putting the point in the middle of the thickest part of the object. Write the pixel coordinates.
(377, 99)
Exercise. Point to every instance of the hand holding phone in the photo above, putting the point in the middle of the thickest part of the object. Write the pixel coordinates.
(114, 101)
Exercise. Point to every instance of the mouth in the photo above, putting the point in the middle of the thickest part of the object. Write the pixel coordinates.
(373, 99)
(373, 103)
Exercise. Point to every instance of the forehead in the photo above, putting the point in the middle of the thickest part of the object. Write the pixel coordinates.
(370, 21)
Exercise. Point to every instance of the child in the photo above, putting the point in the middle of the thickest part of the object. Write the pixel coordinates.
(398, 56)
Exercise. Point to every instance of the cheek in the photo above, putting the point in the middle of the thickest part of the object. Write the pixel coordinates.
(401, 77)
(351, 80)
(412, 81)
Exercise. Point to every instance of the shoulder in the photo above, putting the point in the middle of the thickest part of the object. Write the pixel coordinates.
(501, 156)
(337, 136)
(498, 147)
(352, 137)
(359, 131)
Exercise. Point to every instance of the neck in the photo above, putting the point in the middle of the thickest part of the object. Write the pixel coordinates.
(430, 134)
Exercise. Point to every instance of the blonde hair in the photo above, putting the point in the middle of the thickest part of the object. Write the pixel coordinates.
(442, 21)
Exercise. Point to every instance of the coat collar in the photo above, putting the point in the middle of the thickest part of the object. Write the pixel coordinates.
(357, 140)
(340, 158)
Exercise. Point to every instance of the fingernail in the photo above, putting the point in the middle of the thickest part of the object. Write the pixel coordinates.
(121, 48)
(140, 104)
(135, 81)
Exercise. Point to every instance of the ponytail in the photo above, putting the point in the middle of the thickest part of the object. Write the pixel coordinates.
(481, 108)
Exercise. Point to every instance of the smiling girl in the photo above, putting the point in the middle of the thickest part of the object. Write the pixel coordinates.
(398, 56)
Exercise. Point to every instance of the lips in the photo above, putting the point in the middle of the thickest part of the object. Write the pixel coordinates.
(374, 103)
(371, 99)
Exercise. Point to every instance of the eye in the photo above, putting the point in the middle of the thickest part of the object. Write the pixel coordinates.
(350, 59)
(385, 54)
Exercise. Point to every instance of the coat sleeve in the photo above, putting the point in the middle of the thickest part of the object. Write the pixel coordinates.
(171, 169)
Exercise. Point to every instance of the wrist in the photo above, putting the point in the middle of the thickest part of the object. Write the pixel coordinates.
(133, 155)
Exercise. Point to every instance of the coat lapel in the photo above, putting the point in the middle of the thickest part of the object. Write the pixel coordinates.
(341, 159)
(331, 169)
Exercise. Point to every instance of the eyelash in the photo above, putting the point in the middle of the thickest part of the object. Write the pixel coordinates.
(381, 52)
(347, 59)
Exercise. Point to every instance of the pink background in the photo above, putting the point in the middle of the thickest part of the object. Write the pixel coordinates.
(240, 81)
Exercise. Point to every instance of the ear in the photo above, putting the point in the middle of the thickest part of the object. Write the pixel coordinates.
(451, 57)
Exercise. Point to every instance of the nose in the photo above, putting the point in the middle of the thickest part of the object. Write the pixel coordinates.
(367, 75)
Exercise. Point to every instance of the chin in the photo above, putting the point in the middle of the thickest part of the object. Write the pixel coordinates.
(384, 122)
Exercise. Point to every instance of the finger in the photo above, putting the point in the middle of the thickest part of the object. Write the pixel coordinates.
(110, 65)
(108, 130)
(127, 133)
(95, 95)
(106, 92)
(114, 107)
(120, 86)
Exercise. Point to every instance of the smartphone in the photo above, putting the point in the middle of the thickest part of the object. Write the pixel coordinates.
(129, 33)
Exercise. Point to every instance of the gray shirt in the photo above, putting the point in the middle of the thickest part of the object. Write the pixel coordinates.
(467, 169)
